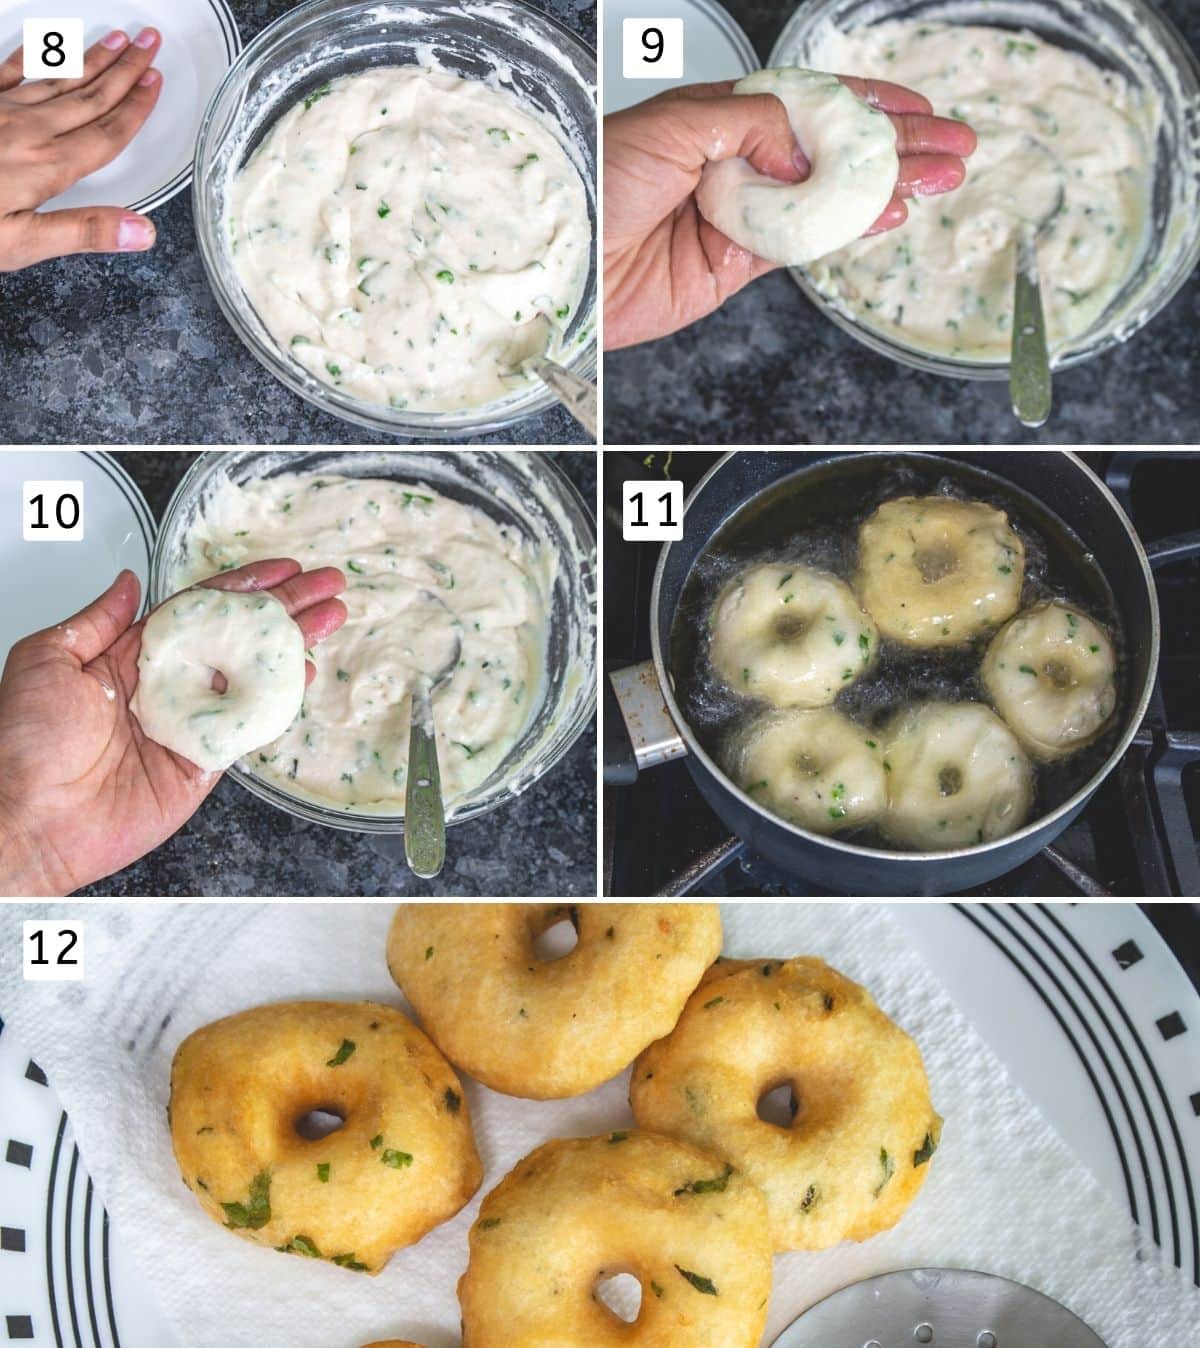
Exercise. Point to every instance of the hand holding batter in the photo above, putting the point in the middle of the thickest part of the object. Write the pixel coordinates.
(665, 265)
(54, 132)
(83, 792)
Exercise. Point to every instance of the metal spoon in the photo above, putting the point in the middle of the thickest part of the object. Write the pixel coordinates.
(575, 394)
(424, 813)
(937, 1306)
(1029, 367)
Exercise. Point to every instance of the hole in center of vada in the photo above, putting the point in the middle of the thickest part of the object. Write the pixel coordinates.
(319, 1123)
(619, 1293)
(1058, 674)
(558, 939)
(790, 627)
(950, 780)
(935, 563)
(219, 682)
(778, 1105)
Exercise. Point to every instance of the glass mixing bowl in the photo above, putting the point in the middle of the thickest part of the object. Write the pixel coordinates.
(507, 41)
(522, 489)
(1128, 36)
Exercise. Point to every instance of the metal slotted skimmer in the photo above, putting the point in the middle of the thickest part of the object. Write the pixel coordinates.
(941, 1308)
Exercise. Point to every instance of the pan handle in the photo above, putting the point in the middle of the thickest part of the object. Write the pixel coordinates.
(649, 735)
(1177, 548)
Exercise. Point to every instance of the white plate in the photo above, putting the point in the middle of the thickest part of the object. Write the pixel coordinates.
(1077, 1023)
(200, 41)
(46, 582)
(714, 48)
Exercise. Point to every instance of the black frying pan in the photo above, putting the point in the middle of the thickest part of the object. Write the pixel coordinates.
(1072, 494)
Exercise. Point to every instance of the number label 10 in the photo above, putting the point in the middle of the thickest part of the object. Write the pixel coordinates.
(52, 512)
(652, 49)
(53, 49)
(52, 950)
(652, 511)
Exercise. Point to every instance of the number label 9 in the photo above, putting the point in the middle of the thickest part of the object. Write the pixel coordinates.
(652, 49)
(53, 49)
(52, 512)
(652, 511)
(52, 950)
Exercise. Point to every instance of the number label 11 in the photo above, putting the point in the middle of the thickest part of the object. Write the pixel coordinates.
(53, 49)
(52, 950)
(652, 512)
(652, 49)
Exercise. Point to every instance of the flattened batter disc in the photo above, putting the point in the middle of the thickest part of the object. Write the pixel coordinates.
(940, 1307)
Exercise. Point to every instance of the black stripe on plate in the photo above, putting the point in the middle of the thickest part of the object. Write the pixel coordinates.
(108, 1297)
(1066, 1029)
(1145, 1103)
(62, 1128)
(1164, 1098)
(68, 1246)
(88, 1286)
(1143, 1160)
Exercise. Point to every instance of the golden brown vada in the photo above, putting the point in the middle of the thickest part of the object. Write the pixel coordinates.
(863, 1127)
(402, 1161)
(547, 1029)
(692, 1230)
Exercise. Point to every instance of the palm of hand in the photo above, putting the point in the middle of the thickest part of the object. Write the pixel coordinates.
(80, 766)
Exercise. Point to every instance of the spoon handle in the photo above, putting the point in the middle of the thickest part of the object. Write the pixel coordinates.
(424, 817)
(1029, 373)
(575, 394)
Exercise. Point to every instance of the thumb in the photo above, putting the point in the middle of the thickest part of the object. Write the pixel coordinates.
(90, 632)
(86, 229)
(699, 127)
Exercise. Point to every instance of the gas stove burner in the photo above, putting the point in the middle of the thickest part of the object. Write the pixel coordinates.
(939, 1307)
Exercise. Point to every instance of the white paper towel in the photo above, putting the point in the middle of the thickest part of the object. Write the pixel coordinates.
(1005, 1193)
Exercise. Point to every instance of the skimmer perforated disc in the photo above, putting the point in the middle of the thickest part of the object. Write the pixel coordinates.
(937, 1308)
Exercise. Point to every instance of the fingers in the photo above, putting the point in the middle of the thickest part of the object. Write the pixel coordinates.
(320, 621)
(310, 589)
(894, 213)
(255, 576)
(90, 147)
(91, 99)
(86, 229)
(295, 589)
(918, 134)
(97, 59)
(893, 98)
(89, 633)
(929, 175)
(12, 70)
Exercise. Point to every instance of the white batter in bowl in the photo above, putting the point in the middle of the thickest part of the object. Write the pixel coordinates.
(505, 53)
(498, 539)
(1093, 97)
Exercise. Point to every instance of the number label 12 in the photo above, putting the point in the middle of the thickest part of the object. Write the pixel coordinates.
(52, 950)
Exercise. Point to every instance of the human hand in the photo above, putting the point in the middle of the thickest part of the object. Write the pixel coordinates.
(665, 265)
(54, 132)
(83, 792)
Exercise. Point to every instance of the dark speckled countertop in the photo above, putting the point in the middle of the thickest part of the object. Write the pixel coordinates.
(541, 845)
(133, 349)
(768, 368)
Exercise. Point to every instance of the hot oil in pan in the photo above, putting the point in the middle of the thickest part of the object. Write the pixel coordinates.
(813, 518)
